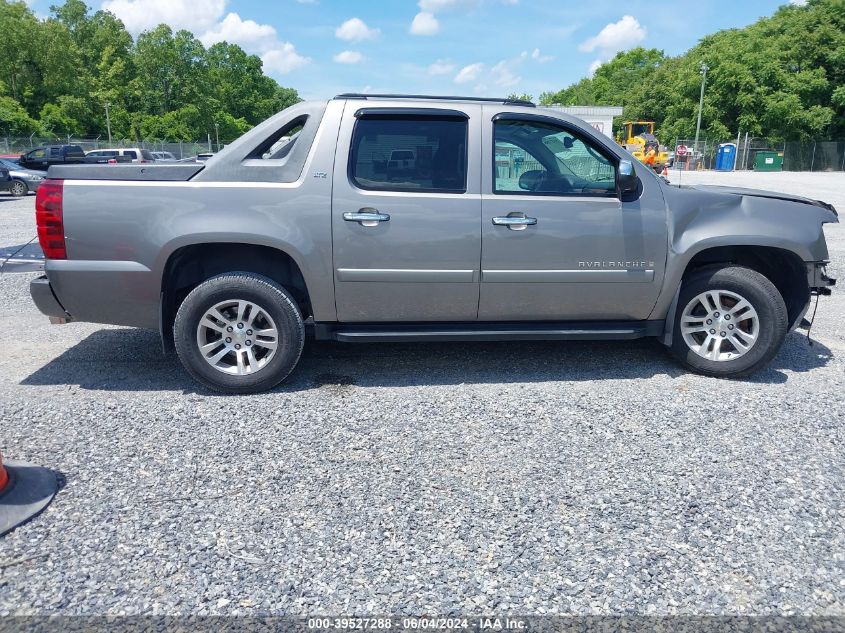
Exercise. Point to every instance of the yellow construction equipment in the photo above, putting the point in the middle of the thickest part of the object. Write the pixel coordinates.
(638, 138)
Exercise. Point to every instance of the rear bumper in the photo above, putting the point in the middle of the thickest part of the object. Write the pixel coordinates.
(45, 300)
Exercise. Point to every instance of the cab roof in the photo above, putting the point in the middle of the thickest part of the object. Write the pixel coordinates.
(367, 97)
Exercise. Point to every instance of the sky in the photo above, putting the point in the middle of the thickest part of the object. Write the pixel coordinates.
(457, 47)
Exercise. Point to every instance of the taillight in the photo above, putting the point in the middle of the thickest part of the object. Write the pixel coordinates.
(49, 220)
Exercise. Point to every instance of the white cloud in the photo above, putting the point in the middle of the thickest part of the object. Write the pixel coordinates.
(539, 57)
(504, 75)
(355, 30)
(798, 3)
(425, 24)
(141, 15)
(615, 37)
(348, 57)
(469, 73)
(283, 59)
(205, 18)
(441, 67)
(246, 33)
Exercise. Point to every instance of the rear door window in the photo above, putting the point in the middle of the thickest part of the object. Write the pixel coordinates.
(412, 153)
(130, 153)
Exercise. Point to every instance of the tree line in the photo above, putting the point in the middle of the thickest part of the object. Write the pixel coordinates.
(782, 77)
(58, 75)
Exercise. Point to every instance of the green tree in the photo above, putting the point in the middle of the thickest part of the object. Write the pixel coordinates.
(14, 120)
(781, 77)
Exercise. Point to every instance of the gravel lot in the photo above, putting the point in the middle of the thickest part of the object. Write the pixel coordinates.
(572, 478)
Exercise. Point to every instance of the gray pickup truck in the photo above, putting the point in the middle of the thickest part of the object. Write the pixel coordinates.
(505, 222)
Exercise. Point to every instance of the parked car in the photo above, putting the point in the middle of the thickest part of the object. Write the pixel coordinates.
(230, 258)
(23, 180)
(163, 157)
(5, 179)
(41, 158)
(128, 154)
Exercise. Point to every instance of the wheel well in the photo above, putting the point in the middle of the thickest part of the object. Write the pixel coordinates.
(189, 266)
(782, 267)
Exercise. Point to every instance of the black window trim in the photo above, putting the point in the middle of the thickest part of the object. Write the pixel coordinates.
(565, 126)
(407, 113)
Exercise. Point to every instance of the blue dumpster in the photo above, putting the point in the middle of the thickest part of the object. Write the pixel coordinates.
(726, 157)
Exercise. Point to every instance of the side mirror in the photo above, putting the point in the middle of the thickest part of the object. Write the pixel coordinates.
(627, 183)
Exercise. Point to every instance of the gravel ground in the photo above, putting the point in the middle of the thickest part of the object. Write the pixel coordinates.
(571, 478)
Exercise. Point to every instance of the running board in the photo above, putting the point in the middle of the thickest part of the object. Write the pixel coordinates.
(487, 331)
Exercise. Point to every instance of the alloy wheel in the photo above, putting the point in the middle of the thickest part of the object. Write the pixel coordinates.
(720, 325)
(18, 188)
(237, 337)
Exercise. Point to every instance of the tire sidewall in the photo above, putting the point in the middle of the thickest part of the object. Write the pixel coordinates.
(249, 287)
(771, 316)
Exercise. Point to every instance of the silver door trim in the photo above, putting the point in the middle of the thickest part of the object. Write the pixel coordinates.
(407, 275)
(564, 276)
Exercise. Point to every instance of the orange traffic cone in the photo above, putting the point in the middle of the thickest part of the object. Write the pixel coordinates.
(665, 171)
(25, 490)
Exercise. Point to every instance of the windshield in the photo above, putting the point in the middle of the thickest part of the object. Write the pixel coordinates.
(640, 128)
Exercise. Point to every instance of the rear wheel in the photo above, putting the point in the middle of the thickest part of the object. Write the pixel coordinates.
(730, 321)
(19, 188)
(239, 333)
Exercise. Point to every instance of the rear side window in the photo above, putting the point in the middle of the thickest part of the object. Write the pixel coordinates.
(413, 153)
(74, 150)
(130, 153)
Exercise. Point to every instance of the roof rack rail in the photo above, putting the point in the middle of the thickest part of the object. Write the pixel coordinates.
(356, 95)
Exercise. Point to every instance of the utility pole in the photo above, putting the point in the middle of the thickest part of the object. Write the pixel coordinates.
(108, 121)
(704, 70)
(217, 135)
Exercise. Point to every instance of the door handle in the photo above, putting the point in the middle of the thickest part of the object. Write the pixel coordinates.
(366, 217)
(515, 222)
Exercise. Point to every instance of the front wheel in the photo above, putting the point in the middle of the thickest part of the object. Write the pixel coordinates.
(730, 321)
(19, 188)
(239, 333)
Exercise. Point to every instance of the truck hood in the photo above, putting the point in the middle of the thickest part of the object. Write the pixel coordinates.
(758, 193)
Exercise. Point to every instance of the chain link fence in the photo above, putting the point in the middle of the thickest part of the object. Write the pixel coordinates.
(179, 149)
(796, 155)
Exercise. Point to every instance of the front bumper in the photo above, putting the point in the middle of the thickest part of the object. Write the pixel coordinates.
(45, 300)
(818, 280)
(33, 184)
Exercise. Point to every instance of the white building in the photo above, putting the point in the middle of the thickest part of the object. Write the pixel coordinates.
(600, 117)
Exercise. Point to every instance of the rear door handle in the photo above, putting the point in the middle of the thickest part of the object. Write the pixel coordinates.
(515, 222)
(366, 217)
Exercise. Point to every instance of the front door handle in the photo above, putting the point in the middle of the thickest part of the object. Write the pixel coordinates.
(515, 221)
(366, 217)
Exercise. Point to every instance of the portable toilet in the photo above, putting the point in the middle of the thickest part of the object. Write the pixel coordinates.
(726, 157)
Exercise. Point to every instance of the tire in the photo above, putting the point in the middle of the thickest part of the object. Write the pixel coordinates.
(698, 349)
(258, 365)
(19, 189)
